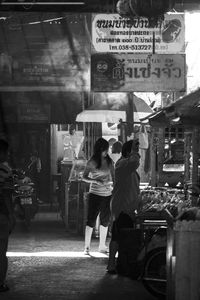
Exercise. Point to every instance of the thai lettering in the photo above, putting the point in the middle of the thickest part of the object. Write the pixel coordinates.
(156, 72)
(167, 71)
(146, 72)
(110, 24)
(118, 71)
(123, 23)
(177, 72)
(136, 75)
(129, 72)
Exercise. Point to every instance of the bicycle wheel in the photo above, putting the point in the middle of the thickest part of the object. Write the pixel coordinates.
(154, 274)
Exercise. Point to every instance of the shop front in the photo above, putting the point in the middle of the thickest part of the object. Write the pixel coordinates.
(176, 155)
(175, 186)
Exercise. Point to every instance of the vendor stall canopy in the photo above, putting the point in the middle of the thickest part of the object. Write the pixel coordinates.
(111, 107)
(185, 111)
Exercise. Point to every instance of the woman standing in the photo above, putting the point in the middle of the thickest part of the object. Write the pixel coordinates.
(99, 173)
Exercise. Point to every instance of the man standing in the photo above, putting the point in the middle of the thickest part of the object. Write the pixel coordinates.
(125, 196)
(7, 219)
(72, 144)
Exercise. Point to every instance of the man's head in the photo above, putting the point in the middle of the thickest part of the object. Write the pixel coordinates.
(34, 155)
(72, 129)
(117, 147)
(3, 150)
(130, 146)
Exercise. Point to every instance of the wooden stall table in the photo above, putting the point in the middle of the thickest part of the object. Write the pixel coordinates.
(73, 204)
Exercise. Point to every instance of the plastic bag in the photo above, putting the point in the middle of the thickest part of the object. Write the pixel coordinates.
(143, 137)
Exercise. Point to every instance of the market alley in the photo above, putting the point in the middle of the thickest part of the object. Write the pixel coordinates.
(48, 263)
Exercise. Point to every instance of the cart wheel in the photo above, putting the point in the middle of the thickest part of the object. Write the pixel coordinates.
(154, 274)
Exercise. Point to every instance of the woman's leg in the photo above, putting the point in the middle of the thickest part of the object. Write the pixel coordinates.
(103, 230)
(88, 236)
(93, 211)
(104, 222)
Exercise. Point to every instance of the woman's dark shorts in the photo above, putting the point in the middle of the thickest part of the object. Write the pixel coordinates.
(98, 205)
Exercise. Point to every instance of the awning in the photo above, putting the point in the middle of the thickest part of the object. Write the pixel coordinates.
(111, 107)
(185, 111)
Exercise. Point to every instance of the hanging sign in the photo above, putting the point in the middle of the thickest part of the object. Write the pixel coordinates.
(112, 33)
(28, 112)
(138, 72)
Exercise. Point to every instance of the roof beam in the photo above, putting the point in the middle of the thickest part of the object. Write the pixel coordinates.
(81, 5)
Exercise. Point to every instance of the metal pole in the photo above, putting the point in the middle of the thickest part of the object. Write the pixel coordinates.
(130, 114)
(154, 42)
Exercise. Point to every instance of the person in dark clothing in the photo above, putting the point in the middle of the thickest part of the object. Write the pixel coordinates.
(33, 172)
(7, 219)
(125, 196)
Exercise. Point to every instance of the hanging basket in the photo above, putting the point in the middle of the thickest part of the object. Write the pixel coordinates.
(153, 10)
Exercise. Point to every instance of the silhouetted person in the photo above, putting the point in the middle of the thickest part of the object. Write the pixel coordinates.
(34, 168)
(7, 219)
(125, 194)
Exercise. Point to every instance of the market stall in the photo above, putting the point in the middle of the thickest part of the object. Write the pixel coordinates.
(175, 140)
(175, 181)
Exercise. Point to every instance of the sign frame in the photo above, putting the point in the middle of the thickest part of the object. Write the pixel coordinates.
(112, 33)
(138, 73)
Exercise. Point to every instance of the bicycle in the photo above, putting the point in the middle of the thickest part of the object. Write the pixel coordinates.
(142, 254)
(154, 266)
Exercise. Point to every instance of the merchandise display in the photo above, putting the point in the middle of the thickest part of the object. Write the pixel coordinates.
(158, 199)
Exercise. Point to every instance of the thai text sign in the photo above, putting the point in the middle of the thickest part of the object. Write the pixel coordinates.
(138, 72)
(28, 112)
(112, 33)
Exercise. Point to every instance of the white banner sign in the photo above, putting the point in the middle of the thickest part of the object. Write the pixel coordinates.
(112, 33)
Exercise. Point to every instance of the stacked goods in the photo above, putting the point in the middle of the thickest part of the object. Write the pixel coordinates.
(158, 199)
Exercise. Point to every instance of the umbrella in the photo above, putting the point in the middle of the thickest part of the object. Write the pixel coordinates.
(111, 107)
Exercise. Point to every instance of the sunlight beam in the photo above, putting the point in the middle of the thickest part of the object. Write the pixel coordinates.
(56, 254)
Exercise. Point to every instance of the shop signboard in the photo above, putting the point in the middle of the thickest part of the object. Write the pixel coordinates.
(112, 33)
(139, 72)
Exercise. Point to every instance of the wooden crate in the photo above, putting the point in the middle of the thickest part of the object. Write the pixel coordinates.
(187, 266)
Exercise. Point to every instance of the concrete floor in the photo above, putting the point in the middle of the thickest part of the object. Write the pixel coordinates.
(48, 263)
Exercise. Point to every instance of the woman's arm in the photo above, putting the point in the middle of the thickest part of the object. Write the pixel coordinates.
(112, 171)
(89, 168)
